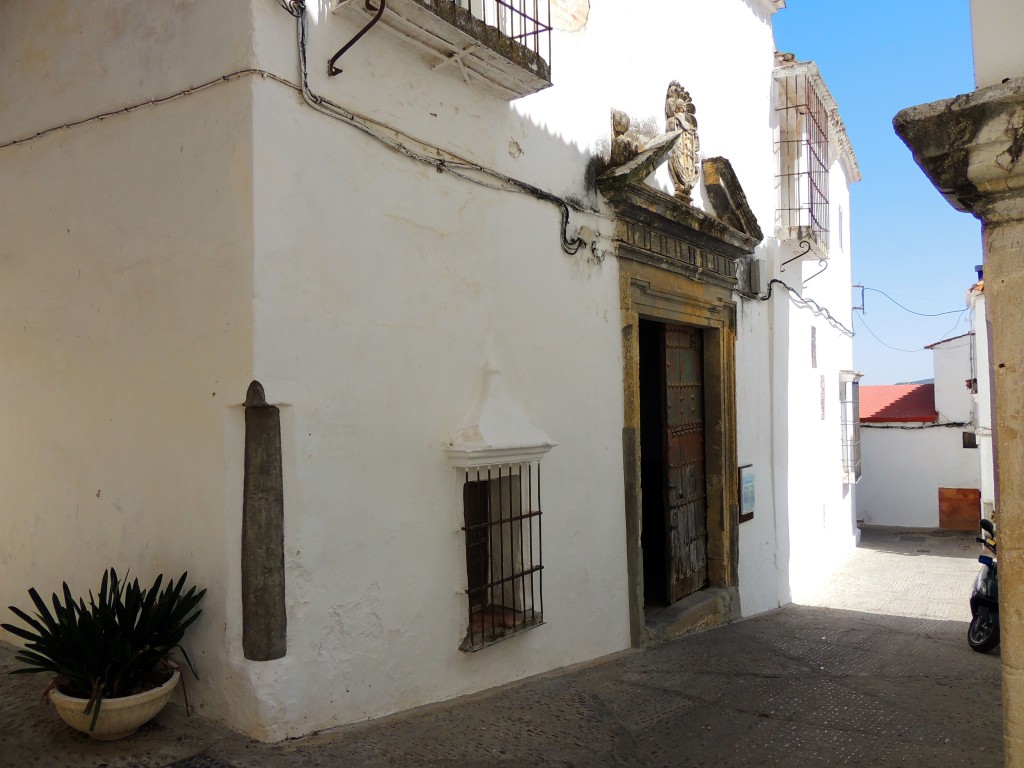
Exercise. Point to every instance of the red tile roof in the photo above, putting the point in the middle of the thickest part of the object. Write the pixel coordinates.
(898, 402)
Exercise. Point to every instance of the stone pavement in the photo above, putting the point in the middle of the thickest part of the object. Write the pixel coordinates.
(876, 672)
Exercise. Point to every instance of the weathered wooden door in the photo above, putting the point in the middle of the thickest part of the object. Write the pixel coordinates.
(686, 495)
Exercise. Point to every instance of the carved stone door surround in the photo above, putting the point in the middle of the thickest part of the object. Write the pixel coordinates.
(678, 265)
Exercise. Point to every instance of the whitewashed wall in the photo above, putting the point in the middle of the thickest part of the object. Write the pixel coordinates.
(821, 521)
(125, 303)
(442, 274)
(155, 262)
(951, 361)
(903, 470)
(600, 68)
(995, 25)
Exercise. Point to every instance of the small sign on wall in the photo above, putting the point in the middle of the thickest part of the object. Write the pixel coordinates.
(747, 483)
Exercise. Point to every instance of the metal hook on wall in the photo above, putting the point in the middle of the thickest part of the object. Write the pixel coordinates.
(378, 12)
(823, 263)
(806, 245)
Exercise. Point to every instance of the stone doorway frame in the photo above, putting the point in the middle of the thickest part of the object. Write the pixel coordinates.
(678, 264)
(652, 293)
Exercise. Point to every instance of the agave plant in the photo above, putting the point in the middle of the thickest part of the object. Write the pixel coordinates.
(117, 645)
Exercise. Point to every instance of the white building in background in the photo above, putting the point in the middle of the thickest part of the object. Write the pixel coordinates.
(919, 441)
(388, 354)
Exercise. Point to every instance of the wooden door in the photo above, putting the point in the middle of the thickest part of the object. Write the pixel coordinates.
(685, 492)
(959, 509)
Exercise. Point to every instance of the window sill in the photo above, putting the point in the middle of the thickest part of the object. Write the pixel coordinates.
(493, 624)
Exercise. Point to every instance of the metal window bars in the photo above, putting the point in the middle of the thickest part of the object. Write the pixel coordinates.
(502, 515)
(528, 22)
(849, 404)
(802, 148)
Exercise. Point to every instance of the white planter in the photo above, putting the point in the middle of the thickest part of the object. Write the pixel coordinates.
(119, 717)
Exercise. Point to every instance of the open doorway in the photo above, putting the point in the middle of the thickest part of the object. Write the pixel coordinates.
(674, 532)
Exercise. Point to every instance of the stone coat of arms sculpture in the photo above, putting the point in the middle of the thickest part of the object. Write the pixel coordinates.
(684, 162)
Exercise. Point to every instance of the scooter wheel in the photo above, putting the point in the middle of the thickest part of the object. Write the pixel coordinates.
(983, 634)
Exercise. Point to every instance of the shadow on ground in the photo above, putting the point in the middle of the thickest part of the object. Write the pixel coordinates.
(802, 686)
(920, 541)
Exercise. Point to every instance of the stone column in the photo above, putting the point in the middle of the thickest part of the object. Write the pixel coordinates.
(972, 149)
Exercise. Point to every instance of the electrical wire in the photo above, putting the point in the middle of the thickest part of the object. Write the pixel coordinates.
(440, 159)
(800, 301)
(154, 102)
(890, 346)
(959, 318)
(907, 309)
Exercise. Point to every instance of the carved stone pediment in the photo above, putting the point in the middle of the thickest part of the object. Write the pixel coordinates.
(728, 198)
(655, 228)
(665, 230)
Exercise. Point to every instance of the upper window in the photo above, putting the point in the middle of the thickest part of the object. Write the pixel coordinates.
(503, 46)
(802, 155)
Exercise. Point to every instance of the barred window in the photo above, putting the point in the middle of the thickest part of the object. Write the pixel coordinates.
(802, 150)
(504, 576)
(849, 406)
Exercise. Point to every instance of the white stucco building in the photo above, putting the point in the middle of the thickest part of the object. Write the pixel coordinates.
(450, 299)
(922, 467)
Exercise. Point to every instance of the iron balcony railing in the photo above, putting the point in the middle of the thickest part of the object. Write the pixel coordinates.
(527, 22)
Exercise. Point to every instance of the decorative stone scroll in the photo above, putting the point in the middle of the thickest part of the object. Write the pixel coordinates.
(684, 162)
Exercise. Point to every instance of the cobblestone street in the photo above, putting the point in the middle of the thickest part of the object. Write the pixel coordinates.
(876, 672)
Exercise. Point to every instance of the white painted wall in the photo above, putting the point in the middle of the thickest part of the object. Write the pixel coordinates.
(157, 261)
(125, 304)
(995, 30)
(822, 523)
(903, 470)
(951, 361)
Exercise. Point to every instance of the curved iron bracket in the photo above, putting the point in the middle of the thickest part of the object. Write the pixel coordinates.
(805, 244)
(823, 263)
(333, 70)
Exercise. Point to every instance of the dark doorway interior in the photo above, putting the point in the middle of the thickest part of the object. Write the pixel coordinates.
(652, 462)
(672, 462)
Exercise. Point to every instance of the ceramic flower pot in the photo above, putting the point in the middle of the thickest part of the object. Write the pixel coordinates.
(118, 717)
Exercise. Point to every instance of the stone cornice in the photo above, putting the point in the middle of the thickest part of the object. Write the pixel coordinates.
(972, 149)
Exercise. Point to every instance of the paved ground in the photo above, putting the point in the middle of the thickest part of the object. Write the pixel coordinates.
(876, 672)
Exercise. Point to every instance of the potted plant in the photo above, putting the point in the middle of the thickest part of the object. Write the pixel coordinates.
(111, 657)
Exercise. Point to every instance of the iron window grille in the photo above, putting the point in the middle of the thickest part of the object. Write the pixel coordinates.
(504, 588)
(849, 408)
(527, 22)
(802, 150)
(502, 45)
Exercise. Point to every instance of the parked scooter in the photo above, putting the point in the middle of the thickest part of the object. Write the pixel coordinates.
(983, 634)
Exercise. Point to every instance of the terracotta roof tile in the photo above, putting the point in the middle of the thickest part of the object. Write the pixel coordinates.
(898, 402)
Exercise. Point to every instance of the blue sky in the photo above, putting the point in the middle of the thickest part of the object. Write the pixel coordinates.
(877, 57)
